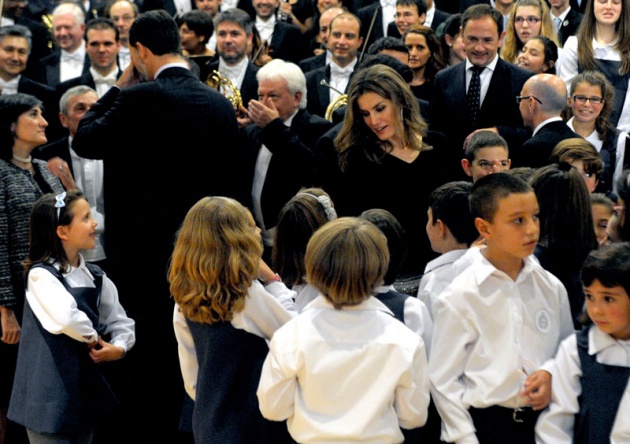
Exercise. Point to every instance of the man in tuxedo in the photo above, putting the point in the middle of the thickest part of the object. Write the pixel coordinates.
(375, 19)
(165, 141)
(344, 41)
(278, 146)
(541, 102)
(323, 59)
(457, 109)
(102, 46)
(69, 60)
(566, 19)
(15, 45)
(234, 33)
(123, 13)
(284, 40)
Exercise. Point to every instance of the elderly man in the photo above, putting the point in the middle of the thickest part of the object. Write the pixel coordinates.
(541, 102)
(279, 145)
(123, 13)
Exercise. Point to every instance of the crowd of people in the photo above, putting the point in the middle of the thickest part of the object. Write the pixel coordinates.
(390, 221)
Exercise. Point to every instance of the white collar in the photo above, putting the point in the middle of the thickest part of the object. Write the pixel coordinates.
(544, 122)
(170, 65)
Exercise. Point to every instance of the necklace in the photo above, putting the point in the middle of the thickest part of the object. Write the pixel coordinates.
(23, 159)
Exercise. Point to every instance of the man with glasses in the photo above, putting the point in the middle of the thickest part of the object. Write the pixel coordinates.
(541, 102)
(479, 93)
(123, 13)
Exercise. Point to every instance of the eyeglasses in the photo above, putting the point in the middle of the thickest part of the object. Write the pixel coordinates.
(520, 98)
(125, 18)
(531, 20)
(406, 14)
(584, 99)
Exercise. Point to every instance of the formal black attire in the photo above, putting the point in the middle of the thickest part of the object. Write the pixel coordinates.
(536, 152)
(41, 42)
(578, 7)
(165, 144)
(249, 87)
(569, 25)
(48, 69)
(366, 15)
(392, 184)
(314, 62)
(291, 162)
(85, 79)
(319, 95)
(287, 43)
(450, 116)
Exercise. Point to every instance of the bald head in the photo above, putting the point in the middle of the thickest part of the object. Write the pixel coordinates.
(325, 19)
(550, 89)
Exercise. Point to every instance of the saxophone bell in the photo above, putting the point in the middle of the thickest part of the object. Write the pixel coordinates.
(215, 80)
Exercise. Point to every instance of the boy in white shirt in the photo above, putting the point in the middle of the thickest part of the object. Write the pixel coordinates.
(496, 325)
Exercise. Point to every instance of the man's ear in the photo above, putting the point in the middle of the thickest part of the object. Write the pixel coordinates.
(483, 227)
(466, 166)
(143, 51)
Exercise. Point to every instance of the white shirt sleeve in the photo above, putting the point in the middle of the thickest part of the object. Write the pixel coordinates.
(188, 363)
(113, 316)
(412, 396)
(56, 308)
(567, 65)
(418, 319)
(555, 424)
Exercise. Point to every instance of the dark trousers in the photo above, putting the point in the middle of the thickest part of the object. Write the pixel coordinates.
(500, 425)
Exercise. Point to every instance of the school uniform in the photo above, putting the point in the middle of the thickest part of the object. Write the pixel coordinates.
(220, 365)
(354, 365)
(590, 374)
(438, 274)
(490, 333)
(621, 428)
(58, 389)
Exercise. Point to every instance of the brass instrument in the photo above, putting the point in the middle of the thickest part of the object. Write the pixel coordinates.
(216, 80)
(341, 100)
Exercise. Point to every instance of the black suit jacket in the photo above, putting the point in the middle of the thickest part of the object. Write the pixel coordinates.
(449, 114)
(48, 70)
(165, 144)
(291, 163)
(58, 148)
(570, 25)
(85, 79)
(579, 8)
(536, 152)
(249, 87)
(41, 43)
(311, 63)
(287, 43)
(318, 95)
(366, 15)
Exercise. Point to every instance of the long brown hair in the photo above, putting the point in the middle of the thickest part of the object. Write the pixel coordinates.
(512, 45)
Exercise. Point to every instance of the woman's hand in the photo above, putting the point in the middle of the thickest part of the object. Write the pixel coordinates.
(10, 327)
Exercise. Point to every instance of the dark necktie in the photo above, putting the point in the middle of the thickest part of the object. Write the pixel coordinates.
(473, 96)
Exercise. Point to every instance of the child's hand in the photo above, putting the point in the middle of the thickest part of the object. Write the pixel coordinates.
(537, 389)
(105, 352)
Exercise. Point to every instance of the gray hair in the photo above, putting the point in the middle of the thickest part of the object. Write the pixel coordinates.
(235, 15)
(73, 92)
(290, 72)
(70, 8)
(17, 31)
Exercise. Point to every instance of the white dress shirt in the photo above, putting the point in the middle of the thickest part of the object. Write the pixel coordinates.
(555, 424)
(265, 28)
(388, 10)
(567, 68)
(340, 77)
(10, 87)
(88, 176)
(57, 311)
(235, 73)
(103, 83)
(71, 65)
(266, 309)
(124, 57)
(484, 77)
(429, 17)
(438, 274)
(349, 375)
(489, 334)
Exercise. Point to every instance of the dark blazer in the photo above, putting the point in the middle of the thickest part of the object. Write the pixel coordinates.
(47, 70)
(291, 163)
(249, 87)
(536, 152)
(41, 43)
(58, 148)
(318, 95)
(579, 8)
(287, 43)
(570, 25)
(449, 114)
(366, 14)
(311, 63)
(167, 5)
(49, 98)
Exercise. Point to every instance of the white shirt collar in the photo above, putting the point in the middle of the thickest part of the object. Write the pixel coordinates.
(544, 122)
(170, 65)
(370, 303)
(491, 66)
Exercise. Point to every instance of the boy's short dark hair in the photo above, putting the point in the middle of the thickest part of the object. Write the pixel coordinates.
(610, 265)
(421, 5)
(396, 240)
(483, 139)
(198, 22)
(487, 191)
(449, 203)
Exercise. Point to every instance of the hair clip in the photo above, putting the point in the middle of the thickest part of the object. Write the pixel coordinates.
(331, 214)
(60, 203)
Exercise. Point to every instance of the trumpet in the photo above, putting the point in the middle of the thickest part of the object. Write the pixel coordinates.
(341, 100)
(216, 80)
